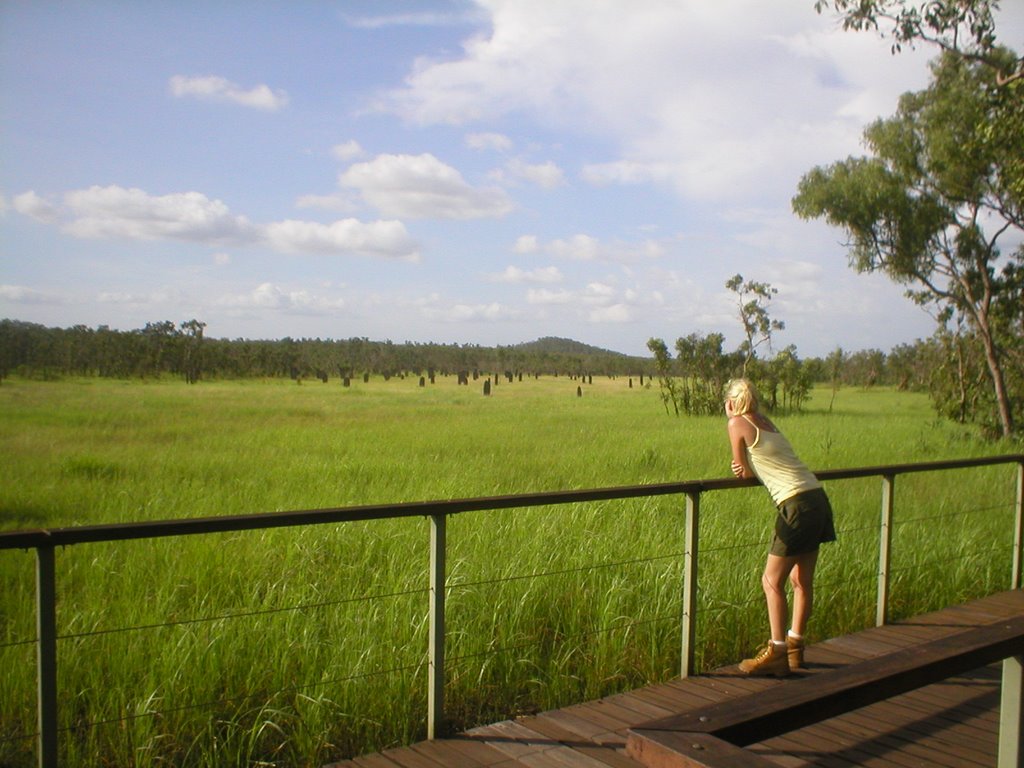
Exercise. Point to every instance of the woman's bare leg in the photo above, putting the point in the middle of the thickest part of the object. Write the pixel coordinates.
(802, 579)
(773, 580)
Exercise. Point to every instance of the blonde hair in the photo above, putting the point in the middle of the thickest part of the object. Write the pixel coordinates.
(743, 396)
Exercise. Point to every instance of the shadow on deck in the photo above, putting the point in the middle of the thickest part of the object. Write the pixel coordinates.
(953, 722)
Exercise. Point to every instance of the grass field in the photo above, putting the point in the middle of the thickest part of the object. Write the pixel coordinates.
(293, 647)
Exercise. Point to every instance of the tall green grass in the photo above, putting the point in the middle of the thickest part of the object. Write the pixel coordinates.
(298, 646)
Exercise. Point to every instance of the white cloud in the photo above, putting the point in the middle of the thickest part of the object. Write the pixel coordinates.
(496, 141)
(577, 247)
(460, 313)
(715, 100)
(377, 238)
(119, 297)
(349, 150)
(546, 296)
(271, 296)
(598, 291)
(166, 296)
(582, 247)
(132, 214)
(616, 313)
(422, 187)
(425, 19)
(625, 172)
(219, 89)
(526, 244)
(19, 294)
(116, 212)
(32, 205)
(514, 274)
(338, 202)
(547, 175)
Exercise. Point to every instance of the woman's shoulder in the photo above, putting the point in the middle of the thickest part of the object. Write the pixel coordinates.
(758, 420)
(741, 424)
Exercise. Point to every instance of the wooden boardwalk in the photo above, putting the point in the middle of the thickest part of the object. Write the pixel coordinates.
(951, 724)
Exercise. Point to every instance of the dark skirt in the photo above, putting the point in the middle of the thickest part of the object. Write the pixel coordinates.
(804, 522)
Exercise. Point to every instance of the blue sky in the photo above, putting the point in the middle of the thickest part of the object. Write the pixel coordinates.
(459, 172)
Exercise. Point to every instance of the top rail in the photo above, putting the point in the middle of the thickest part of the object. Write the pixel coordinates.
(82, 534)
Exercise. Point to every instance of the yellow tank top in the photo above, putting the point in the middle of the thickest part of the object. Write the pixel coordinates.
(776, 465)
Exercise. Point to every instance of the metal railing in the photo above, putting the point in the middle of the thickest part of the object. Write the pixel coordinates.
(45, 542)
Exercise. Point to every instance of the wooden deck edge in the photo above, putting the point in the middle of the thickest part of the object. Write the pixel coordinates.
(714, 735)
(684, 749)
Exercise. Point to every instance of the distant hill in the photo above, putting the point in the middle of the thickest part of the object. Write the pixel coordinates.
(554, 345)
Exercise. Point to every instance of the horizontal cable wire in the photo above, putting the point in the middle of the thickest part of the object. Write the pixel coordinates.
(242, 615)
(579, 569)
(562, 638)
(16, 643)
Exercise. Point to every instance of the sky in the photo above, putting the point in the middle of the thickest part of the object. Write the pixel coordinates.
(446, 171)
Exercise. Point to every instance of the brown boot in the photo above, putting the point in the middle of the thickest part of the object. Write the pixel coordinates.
(795, 651)
(768, 661)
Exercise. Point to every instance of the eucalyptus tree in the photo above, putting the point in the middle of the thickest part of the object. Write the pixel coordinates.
(666, 377)
(932, 205)
(964, 28)
(753, 298)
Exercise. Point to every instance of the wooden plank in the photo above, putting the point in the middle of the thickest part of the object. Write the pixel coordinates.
(671, 698)
(621, 711)
(819, 753)
(824, 747)
(577, 724)
(444, 753)
(532, 748)
(792, 706)
(612, 718)
(898, 746)
(896, 735)
(674, 749)
(606, 754)
(940, 726)
(563, 758)
(476, 750)
(408, 758)
(373, 761)
(515, 741)
(946, 702)
(645, 710)
(951, 723)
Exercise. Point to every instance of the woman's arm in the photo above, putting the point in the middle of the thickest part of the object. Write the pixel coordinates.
(741, 433)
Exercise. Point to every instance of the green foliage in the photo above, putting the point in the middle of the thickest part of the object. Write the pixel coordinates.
(964, 28)
(704, 369)
(667, 383)
(930, 207)
(184, 351)
(753, 298)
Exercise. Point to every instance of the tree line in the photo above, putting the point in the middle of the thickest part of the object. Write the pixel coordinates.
(690, 380)
(165, 349)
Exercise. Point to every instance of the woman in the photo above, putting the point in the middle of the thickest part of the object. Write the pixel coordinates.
(804, 522)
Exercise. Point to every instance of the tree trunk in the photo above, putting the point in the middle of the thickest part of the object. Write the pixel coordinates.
(996, 372)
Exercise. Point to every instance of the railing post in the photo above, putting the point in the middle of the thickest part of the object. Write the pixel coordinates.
(435, 685)
(46, 630)
(689, 623)
(884, 546)
(1018, 530)
(1011, 714)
